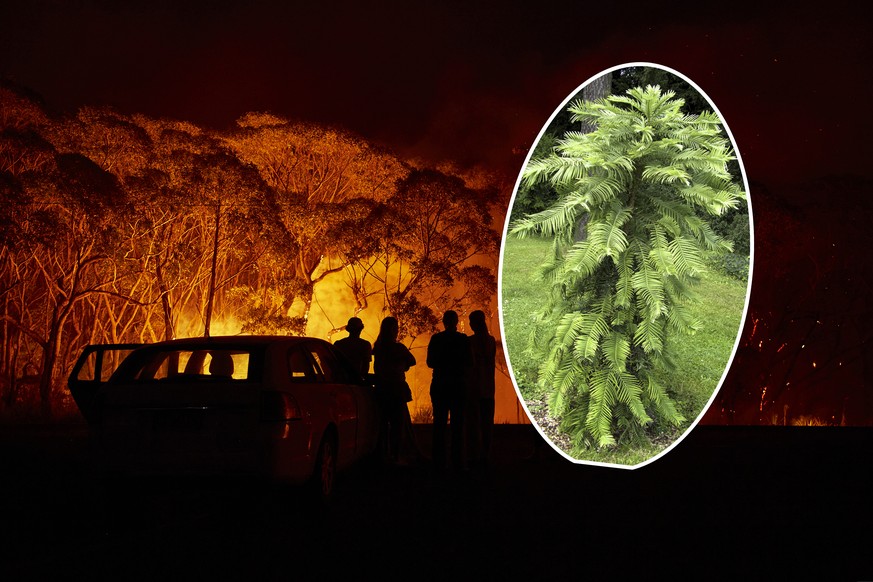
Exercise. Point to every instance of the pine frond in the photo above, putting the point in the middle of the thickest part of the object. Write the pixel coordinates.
(660, 254)
(707, 237)
(634, 103)
(648, 285)
(698, 195)
(616, 347)
(555, 169)
(609, 231)
(565, 382)
(628, 392)
(602, 188)
(552, 221)
(573, 423)
(569, 328)
(585, 256)
(650, 335)
(673, 211)
(656, 394)
(549, 367)
(600, 406)
(681, 321)
(666, 175)
(624, 285)
(618, 166)
(593, 327)
(670, 225)
(549, 270)
(679, 289)
(556, 402)
(539, 339)
(686, 256)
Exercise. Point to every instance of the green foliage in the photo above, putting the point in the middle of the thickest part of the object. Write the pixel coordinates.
(699, 359)
(733, 265)
(630, 77)
(630, 236)
(734, 226)
(532, 198)
(537, 197)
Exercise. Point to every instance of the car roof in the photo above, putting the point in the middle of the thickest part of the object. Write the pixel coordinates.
(233, 340)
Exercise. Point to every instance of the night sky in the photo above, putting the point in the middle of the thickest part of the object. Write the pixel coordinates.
(475, 84)
(448, 80)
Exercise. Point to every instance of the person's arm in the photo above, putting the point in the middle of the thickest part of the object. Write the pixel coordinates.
(432, 349)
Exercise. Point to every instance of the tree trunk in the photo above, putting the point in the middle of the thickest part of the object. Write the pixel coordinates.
(599, 88)
(50, 358)
(169, 332)
(210, 298)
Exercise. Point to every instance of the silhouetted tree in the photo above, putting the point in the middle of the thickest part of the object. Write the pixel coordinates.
(318, 174)
(422, 249)
(84, 204)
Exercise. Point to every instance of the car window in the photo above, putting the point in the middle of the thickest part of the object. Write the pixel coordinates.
(111, 358)
(227, 364)
(206, 364)
(331, 369)
(300, 366)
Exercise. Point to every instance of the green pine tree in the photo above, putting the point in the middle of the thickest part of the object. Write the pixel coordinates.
(629, 242)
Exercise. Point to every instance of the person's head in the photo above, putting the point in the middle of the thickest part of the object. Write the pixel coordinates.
(450, 319)
(388, 330)
(477, 322)
(355, 326)
(221, 364)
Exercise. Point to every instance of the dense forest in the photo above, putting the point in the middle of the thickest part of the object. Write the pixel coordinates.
(123, 228)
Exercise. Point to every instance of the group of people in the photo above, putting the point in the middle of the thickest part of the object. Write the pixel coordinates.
(461, 391)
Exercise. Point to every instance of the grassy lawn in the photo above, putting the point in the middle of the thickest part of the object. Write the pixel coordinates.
(700, 359)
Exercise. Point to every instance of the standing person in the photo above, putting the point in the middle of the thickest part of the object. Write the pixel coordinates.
(448, 354)
(483, 348)
(391, 360)
(356, 349)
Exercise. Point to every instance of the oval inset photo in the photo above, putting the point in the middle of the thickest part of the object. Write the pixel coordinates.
(626, 266)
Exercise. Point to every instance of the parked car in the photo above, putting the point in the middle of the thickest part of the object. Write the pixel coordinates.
(288, 407)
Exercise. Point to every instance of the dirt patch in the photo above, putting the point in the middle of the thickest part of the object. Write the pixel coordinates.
(548, 424)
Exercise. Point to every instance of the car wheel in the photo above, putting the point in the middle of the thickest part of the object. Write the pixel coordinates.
(324, 474)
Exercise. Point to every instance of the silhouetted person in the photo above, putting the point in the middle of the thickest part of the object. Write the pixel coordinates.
(448, 353)
(221, 365)
(356, 349)
(391, 360)
(480, 427)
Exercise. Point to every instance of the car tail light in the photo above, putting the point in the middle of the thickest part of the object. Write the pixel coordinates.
(279, 407)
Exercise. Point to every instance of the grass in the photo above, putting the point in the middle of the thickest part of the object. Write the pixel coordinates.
(521, 299)
(700, 359)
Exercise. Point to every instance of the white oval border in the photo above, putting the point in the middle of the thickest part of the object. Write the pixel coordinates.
(748, 287)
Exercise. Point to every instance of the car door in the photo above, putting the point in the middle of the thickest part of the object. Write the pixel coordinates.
(91, 371)
(342, 396)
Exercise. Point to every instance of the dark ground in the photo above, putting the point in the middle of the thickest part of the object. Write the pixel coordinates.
(727, 503)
